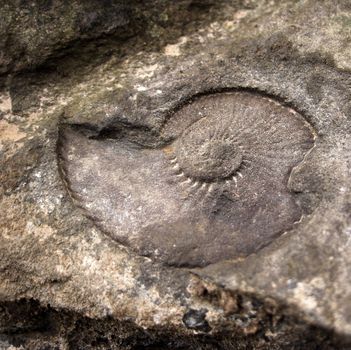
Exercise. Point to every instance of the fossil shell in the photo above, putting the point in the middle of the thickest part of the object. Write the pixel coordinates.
(216, 189)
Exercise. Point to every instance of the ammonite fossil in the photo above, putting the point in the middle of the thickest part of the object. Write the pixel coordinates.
(216, 189)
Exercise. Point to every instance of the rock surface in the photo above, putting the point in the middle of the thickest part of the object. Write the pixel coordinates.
(110, 68)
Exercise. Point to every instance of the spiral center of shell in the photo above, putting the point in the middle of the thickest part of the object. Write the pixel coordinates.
(206, 151)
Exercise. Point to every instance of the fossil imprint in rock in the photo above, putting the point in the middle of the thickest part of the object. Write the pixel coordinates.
(215, 188)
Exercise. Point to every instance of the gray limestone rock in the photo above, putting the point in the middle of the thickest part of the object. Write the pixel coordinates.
(175, 175)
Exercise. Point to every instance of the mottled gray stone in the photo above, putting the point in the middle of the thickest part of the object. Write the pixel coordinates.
(65, 283)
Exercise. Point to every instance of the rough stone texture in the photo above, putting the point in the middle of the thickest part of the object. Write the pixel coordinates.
(32, 32)
(64, 283)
